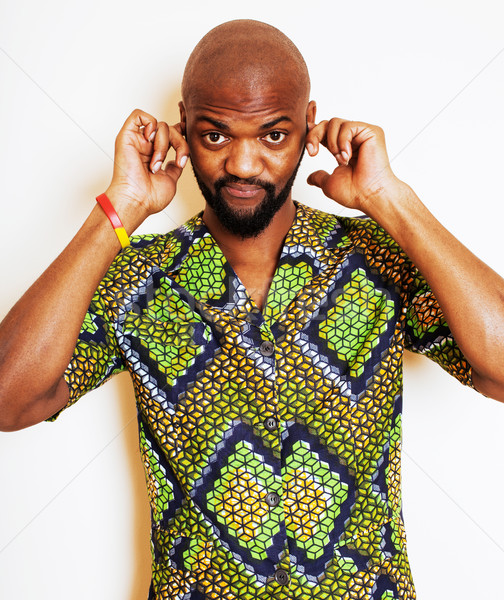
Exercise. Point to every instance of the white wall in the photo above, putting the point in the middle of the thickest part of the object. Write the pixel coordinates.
(73, 512)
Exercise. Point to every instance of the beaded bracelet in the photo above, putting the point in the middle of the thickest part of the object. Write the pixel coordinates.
(114, 219)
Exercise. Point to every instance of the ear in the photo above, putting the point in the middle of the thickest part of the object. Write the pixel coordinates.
(183, 121)
(311, 112)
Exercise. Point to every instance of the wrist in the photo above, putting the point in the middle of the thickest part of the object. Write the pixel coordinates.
(385, 203)
(401, 213)
(130, 211)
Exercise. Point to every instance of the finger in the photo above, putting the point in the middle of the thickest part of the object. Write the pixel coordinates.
(150, 132)
(318, 178)
(139, 126)
(331, 142)
(353, 134)
(169, 137)
(140, 121)
(339, 135)
(179, 144)
(346, 134)
(161, 143)
(315, 137)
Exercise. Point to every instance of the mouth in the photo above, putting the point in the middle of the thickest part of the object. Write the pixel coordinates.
(240, 190)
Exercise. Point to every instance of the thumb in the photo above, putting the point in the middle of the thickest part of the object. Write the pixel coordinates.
(173, 170)
(318, 178)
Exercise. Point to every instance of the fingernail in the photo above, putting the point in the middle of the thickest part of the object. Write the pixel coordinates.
(310, 148)
(183, 161)
(152, 136)
(157, 166)
(345, 156)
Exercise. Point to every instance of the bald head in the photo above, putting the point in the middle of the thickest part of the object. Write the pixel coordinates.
(247, 55)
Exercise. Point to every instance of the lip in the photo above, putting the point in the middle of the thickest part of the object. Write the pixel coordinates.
(238, 190)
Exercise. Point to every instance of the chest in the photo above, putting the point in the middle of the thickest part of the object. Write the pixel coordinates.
(256, 279)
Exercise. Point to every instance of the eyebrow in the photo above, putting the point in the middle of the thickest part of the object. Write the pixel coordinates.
(275, 122)
(214, 122)
(224, 127)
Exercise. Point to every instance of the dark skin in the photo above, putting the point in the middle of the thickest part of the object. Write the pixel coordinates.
(47, 319)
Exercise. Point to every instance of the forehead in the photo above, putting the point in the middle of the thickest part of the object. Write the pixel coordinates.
(256, 101)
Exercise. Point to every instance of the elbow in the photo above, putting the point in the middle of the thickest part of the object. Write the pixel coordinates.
(20, 409)
(9, 413)
(12, 412)
(493, 387)
(9, 420)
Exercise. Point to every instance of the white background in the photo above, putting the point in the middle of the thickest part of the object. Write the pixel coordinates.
(73, 510)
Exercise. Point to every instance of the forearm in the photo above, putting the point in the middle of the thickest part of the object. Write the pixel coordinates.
(38, 336)
(470, 293)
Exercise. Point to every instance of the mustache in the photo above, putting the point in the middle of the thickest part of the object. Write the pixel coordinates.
(222, 181)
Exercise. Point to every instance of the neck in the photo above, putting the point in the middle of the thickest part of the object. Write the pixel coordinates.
(254, 260)
(264, 248)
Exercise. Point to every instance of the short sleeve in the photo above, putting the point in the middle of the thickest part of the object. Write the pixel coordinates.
(427, 332)
(96, 356)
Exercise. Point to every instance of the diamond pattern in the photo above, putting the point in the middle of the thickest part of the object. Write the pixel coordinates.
(343, 304)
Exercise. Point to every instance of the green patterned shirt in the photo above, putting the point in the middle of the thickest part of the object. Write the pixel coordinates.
(271, 440)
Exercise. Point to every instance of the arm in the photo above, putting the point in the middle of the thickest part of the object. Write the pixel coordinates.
(470, 294)
(38, 336)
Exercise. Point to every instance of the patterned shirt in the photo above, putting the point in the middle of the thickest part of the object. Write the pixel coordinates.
(270, 440)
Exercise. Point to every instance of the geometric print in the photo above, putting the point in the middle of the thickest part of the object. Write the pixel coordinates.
(354, 324)
(313, 498)
(237, 500)
(310, 498)
(271, 440)
(160, 490)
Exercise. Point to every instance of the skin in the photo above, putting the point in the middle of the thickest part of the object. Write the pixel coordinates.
(226, 129)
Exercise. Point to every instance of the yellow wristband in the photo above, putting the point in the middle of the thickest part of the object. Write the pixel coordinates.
(114, 219)
(123, 236)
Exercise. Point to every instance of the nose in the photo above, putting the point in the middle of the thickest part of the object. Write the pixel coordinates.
(244, 159)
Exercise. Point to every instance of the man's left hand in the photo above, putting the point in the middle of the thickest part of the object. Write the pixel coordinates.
(363, 170)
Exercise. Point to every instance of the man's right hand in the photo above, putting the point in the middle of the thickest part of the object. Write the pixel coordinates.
(140, 186)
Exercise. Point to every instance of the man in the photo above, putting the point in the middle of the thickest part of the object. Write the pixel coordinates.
(264, 338)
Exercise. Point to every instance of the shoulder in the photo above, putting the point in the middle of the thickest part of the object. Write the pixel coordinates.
(146, 256)
(161, 250)
(363, 231)
(360, 232)
(361, 235)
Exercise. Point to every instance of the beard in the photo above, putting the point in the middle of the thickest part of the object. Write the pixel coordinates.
(246, 223)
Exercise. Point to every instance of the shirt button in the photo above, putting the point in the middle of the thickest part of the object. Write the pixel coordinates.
(281, 577)
(272, 499)
(267, 348)
(270, 423)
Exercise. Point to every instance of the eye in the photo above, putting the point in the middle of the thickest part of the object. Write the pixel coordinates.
(214, 138)
(275, 137)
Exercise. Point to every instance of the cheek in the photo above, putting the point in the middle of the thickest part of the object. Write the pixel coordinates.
(205, 162)
(283, 166)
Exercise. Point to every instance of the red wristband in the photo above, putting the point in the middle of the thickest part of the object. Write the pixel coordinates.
(113, 217)
(109, 210)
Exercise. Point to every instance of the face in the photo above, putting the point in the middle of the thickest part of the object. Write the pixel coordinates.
(246, 146)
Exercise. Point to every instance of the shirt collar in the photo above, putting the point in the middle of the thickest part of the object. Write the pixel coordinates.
(205, 275)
